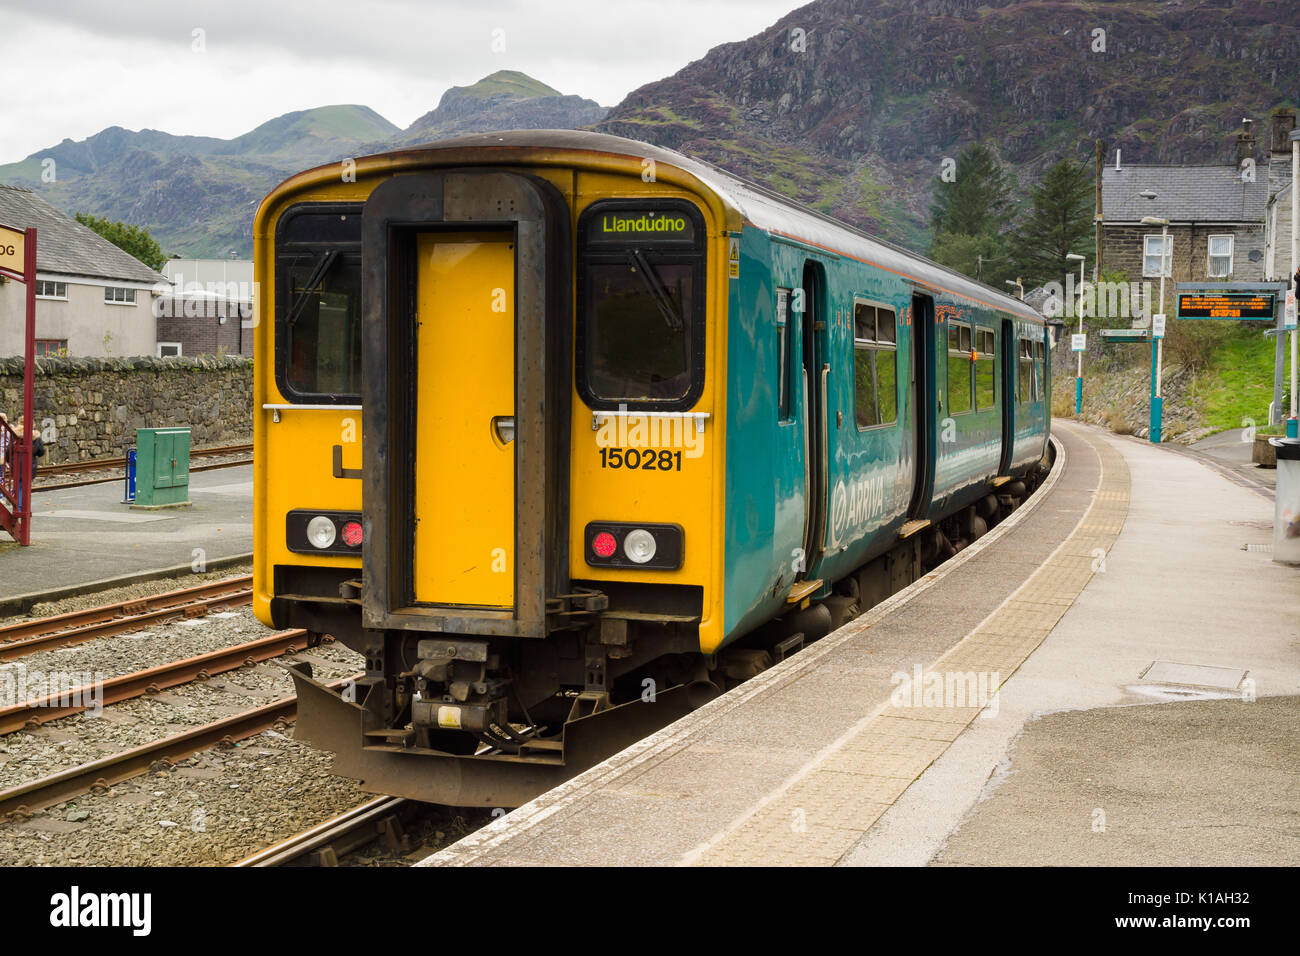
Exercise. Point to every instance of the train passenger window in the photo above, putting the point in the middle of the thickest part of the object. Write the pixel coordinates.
(960, 380)
(1026, 382)
(1040, 371)
(875, 365)
(641, 304)
(783, 356)
(985, 377)
(318, 303)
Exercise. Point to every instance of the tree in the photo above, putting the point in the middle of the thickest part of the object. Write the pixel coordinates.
(1059, 221)
(980, 257)
(135, 240)
(979, 199)
(970, 215)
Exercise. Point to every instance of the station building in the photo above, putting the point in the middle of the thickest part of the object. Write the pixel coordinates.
(208, 308)
(92, 298)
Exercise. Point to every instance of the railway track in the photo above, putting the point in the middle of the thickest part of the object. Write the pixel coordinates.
(152, 680)
(118, 464)
(27, 637)
(322, 845)
(106, 464)
(99, 775)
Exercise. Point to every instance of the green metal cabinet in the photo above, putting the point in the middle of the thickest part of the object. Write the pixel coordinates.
(162, 467)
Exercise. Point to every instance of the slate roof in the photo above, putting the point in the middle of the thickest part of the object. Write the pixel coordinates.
(1183, 194)
(64, 245)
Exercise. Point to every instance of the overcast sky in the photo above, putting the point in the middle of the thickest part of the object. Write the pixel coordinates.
(73, 67)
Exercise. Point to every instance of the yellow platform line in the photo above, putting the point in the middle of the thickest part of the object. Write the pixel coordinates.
(820, 814)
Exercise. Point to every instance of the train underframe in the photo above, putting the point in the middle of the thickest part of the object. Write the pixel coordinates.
(493, 722)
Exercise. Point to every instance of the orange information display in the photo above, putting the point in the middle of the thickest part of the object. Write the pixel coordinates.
(1258, 306)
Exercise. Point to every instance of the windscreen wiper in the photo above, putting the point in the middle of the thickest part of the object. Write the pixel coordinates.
(323, 266)
(656, 289)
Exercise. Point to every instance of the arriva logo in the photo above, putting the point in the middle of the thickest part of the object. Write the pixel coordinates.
(855, 505)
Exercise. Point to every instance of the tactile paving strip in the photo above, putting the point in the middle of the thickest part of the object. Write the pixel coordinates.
(820, 814)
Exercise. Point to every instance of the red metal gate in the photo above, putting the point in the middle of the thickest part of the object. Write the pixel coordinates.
(18, 261)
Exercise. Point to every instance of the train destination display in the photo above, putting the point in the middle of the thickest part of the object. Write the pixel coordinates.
(1226, 305)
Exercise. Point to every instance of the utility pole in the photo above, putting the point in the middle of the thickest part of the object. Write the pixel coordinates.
(1292, 423)
(1101, 162)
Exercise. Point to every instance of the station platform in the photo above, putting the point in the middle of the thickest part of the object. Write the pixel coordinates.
(1107, 677)
(85, 535)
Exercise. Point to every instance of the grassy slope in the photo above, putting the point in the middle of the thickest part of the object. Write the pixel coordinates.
(1237, 382)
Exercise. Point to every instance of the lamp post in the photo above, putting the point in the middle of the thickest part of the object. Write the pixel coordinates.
(1157, 343)
(1078, 379)
(1019, 287)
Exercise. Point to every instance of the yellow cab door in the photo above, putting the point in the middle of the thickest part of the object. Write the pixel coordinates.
(464, 489)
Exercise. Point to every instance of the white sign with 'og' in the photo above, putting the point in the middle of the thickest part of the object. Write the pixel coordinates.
(1079, 342)
(1158, 325)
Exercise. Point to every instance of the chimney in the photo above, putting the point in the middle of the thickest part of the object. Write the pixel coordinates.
(1283, 123)
(1245, 142)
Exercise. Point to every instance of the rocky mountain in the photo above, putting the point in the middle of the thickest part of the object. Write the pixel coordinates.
(852, 105)
(849, 105)
(198, 194)
(504, 100)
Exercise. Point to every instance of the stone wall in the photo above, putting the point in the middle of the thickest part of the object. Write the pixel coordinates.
(92, 407)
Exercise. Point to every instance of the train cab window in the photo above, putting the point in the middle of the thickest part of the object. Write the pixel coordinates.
(875, 364)
(318, 303)
(959, 368)
(985, 376)
(641, 288)
(783, 354)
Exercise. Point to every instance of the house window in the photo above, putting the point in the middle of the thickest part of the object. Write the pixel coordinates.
(51, 290)
(119, 296)
(875, 365)
(1220, 257)
(169, 348)
(51, 346)
(1151, 256)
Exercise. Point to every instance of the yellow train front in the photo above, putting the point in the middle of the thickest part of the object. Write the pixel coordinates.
(566, 433)
(437, 489)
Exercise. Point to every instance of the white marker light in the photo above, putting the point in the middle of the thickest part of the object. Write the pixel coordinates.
(320, 532)
(639, 546)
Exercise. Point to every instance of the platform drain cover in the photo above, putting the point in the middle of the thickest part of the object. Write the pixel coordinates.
(1194, 675)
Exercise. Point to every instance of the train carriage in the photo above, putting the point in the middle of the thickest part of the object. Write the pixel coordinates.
(566, 433)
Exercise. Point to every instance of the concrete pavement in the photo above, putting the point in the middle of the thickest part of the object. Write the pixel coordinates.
(86, 534)
(1155, 721)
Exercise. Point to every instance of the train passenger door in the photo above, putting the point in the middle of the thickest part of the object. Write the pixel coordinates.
(815, 374)
(464, 419)
(923, 404)
(466, 361)
(1009, 360)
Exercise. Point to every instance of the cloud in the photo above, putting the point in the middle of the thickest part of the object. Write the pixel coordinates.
(142, 65)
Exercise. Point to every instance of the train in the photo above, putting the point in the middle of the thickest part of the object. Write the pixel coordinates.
(566, 434)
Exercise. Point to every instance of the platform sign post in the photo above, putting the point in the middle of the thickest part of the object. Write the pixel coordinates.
(18, 261)
(1289, 323)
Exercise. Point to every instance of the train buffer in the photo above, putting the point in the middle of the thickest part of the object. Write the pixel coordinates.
(1109, 667)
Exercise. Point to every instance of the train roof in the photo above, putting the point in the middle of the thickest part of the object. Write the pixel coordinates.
(752, 203)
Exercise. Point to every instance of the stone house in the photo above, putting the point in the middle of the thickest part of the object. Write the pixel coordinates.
(92, 299)
(1277, 218)
(1216, 222)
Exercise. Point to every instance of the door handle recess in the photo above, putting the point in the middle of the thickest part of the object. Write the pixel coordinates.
(503, 427)
(339, 470)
